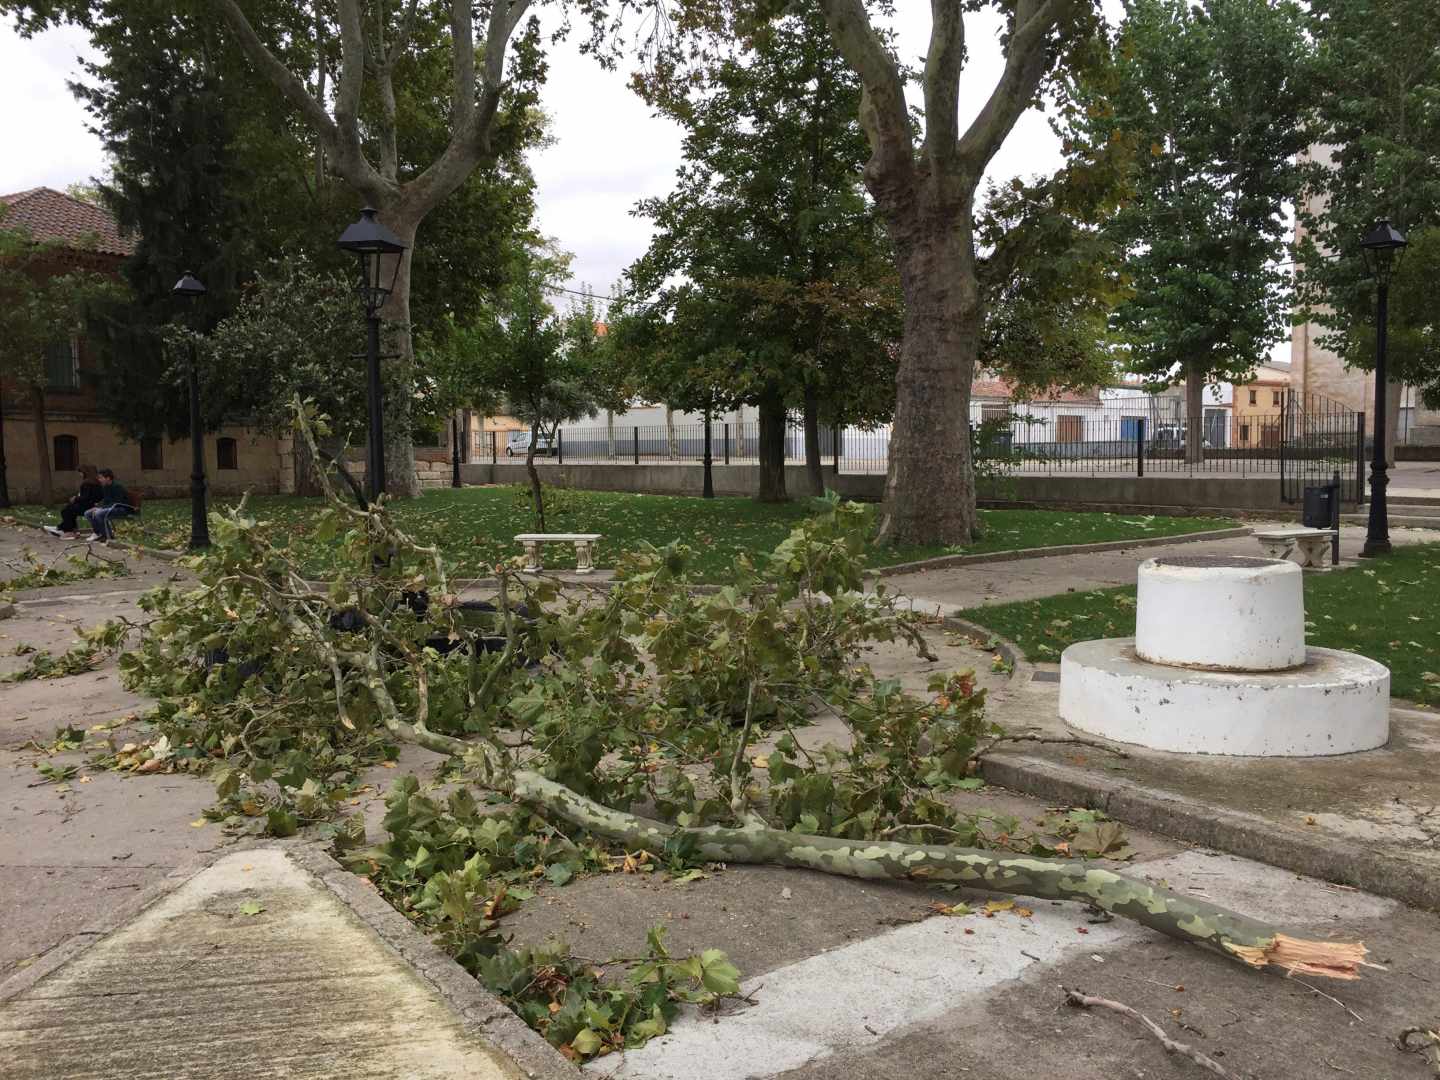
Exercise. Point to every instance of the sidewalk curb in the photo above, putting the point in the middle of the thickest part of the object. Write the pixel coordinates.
(1344, 862)
(480, 1012)
(945, 562)
(485, 1014)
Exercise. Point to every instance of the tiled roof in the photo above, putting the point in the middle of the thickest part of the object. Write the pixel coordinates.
(985, 385)
(54, 217)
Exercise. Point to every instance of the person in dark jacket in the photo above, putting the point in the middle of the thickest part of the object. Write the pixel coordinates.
(115, 503)
(87, 496)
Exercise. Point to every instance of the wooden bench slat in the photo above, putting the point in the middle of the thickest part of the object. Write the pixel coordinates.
(562, 538)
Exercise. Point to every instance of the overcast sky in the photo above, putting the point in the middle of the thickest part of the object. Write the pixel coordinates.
(608, 152)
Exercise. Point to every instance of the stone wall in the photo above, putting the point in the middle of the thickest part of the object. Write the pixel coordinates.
(1179, 492)
(258, 460)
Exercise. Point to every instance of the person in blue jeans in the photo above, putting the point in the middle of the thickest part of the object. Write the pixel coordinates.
(114, 504)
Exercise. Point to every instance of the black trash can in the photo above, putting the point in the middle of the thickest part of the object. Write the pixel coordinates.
(1319, 508)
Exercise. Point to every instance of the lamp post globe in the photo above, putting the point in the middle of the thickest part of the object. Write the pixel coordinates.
(379, 253)
(1382, 248)
(189, 289)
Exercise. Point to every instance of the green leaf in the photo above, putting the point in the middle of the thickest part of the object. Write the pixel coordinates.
(586, 1043)
(558, 873)
(250, 907)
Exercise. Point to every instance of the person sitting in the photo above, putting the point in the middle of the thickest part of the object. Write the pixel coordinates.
(87, 496)
(115, 503)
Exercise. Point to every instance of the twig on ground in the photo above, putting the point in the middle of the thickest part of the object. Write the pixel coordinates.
(1084, 1001)
(1322, 993)
(1427, 1045)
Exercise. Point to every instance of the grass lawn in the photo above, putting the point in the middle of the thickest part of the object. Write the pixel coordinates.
(476, 525)
(1383, 609)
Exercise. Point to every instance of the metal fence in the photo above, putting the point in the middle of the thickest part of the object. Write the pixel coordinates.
(1300, 439)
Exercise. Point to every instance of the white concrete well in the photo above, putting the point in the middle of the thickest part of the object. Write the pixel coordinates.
(1225, 613)
(1219, 666)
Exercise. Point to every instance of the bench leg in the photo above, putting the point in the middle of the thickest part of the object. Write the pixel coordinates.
(1278, 549)
(584, 556)
(532, 557)
(1312, 552)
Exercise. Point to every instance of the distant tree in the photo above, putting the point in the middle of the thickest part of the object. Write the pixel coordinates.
(1378, 141)
(43, 306)
(523, 351)
(768, 224)
(361, 119)
(293, 333)
(1213, 96)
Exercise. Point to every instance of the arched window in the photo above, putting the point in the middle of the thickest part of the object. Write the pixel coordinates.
(67, 453)
(226, 454)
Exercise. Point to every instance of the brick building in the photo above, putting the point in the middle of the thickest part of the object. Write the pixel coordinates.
(73, 429)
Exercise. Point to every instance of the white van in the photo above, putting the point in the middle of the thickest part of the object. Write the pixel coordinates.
(517, 444)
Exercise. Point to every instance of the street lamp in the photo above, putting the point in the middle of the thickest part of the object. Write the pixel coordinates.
(1383, 247)
(380, 253)
(189, 289)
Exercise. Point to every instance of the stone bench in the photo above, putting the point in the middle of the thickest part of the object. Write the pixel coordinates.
(584, 549)
(1279, 543)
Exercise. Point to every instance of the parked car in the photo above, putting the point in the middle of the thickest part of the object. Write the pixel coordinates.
(517, 444)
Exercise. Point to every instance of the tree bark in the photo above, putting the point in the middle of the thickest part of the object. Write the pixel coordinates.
(400, 478)
(610, 434)
(771, 449)
(670, 445)
(1393, 393)
(930, 486)
(1187, 918)
(537, 494)
(42, 444)
(4, 467)
(814, 466)
(926, 195)
(1194, 415)
(455, 450)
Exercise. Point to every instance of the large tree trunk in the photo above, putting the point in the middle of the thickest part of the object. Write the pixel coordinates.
(1194, 415)
(670, 444)
(42, 445)
(537, 495)
(610, 434)
(4, 478)
(771, 448)
(814, 467)
(399, 368)
(930, 487)
(1393, 393)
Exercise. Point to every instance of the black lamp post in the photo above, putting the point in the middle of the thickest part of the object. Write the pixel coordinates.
(189, 289)
(1382, 247)
(380, 252)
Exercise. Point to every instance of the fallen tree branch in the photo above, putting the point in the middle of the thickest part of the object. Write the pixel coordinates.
(1078, 1000)
(1243, 939)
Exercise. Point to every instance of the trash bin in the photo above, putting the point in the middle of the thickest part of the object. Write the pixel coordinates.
(1319, 508)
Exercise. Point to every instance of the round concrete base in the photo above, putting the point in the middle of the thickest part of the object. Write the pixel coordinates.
(1335, 703)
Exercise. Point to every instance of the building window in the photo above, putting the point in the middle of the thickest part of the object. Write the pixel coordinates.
(67, 453)
(226, 454)
(62, 365)
(151, 455)
(1069, 428)
(1244, 434)
(1253, 398)
(1275, 398)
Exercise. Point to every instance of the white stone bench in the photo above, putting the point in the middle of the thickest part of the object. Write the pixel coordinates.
(1313, 543)
(584, 549)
